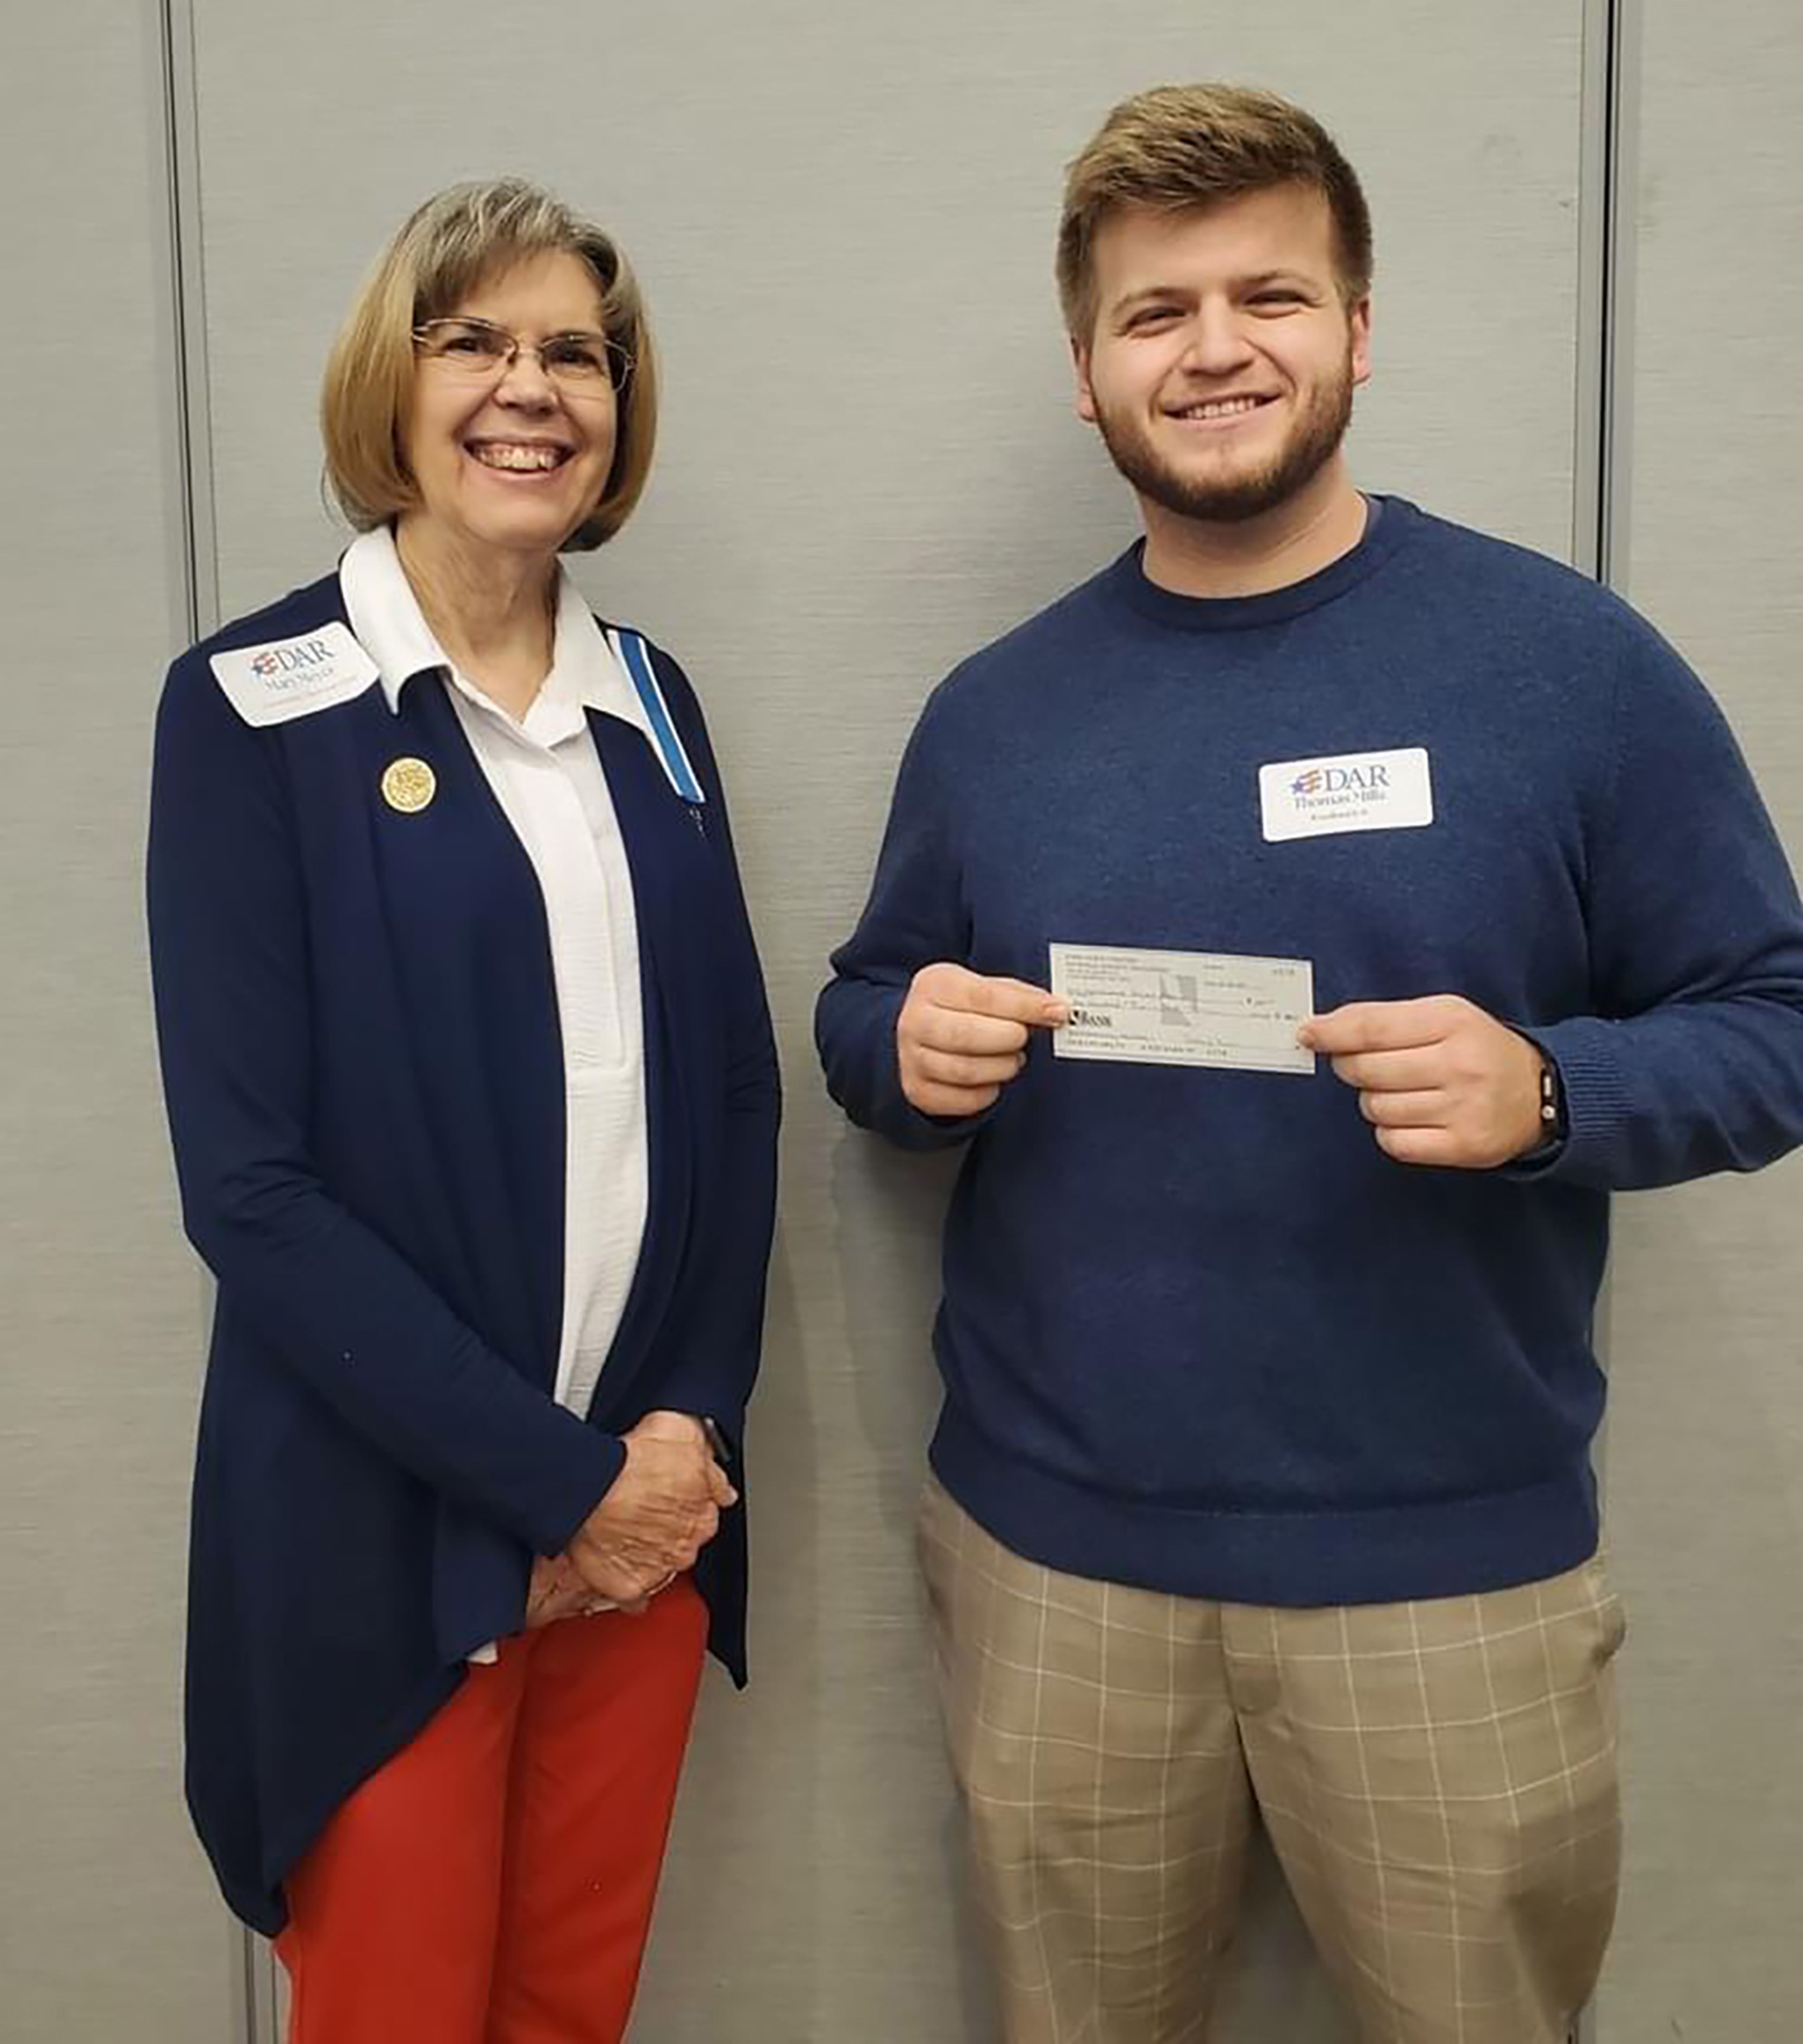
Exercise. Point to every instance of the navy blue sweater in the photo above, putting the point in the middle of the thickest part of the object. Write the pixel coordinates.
(360, 1048)
(1197, 1332)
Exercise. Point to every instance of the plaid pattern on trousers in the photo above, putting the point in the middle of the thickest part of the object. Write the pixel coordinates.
(1438, 1779)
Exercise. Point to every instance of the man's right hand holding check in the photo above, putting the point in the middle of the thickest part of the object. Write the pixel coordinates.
(961, 1037)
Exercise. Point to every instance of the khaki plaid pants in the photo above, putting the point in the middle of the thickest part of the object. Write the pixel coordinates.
(1438, 1779)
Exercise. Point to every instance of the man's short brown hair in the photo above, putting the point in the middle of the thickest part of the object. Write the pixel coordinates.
(453, 242)
(1183, 146)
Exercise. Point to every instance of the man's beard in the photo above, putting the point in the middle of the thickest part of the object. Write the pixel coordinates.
(1248, 493)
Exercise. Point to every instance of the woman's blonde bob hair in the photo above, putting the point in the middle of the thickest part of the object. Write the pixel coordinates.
(458, 238)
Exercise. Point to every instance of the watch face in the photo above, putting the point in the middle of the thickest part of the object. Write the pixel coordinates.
(1553, 1100)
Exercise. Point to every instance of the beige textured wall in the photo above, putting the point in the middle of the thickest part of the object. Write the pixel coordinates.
(1705, 1458)
(107, 1927)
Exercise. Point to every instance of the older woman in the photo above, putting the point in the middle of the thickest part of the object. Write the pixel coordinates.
(474, 1102)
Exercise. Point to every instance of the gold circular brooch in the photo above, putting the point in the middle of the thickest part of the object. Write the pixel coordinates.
(409, 786)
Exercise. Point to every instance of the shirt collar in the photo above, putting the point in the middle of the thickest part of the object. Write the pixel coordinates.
(385, 619)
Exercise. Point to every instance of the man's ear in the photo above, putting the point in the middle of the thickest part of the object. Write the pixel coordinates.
(1359, 316)
(1080, 365)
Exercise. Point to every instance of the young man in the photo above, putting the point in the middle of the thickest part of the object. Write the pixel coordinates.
(1307, 923)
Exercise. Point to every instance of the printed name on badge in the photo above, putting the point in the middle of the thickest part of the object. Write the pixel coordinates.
(1347, 791)
(1183, 1008)
(290, 677)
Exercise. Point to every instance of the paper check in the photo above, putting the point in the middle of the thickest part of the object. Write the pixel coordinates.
(1183, 1008)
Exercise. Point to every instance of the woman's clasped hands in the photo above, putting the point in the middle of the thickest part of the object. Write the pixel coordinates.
(659, 1513)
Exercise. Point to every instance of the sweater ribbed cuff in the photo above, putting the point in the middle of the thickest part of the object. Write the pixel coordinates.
(1596, 1100)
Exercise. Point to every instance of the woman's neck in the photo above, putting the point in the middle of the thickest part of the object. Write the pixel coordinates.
(493, 611)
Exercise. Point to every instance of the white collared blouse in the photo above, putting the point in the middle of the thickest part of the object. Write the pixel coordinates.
(547, 777)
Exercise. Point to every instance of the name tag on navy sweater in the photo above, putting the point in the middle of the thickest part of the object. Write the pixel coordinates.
(290, 677)
(1351, 791)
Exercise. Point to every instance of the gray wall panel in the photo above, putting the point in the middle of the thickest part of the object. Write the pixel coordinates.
(1706, 1460)
(843, 217)
(108, 1928)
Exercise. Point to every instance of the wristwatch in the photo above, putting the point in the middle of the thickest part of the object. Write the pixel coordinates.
(1553, 1124)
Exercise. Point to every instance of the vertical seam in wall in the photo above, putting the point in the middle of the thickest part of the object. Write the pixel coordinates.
(1607, 183)
(1609, 281)
(248, 2026)
(1591, 365)
(1616, 458)
(252, 2018)
(194, 438)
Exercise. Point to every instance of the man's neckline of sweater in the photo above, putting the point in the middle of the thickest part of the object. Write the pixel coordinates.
(1389, 522)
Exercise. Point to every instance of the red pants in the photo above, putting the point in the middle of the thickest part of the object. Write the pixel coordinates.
(492, 1883)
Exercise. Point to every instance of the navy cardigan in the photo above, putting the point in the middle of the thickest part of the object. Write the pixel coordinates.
(358, 1033)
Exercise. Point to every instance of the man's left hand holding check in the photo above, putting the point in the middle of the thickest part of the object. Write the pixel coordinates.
(1440, 1081)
